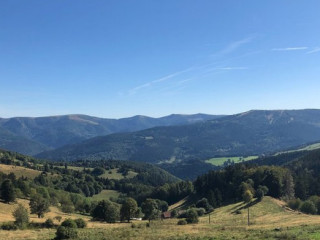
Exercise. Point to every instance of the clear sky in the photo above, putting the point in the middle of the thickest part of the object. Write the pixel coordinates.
(119, 58)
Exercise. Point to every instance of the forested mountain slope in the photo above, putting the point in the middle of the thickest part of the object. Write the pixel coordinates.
(33, 135)
(249, 133)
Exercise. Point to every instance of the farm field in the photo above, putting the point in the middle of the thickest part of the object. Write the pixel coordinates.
(270, 219)
(219, 161)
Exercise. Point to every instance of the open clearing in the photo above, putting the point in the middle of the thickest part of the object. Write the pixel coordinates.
(106, 194)
(19, 171)
(219, 161)
(114, 174)
(306, 148)
(270, 219)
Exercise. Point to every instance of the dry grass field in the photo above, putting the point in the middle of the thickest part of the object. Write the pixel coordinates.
(270, 219)
(19, 171)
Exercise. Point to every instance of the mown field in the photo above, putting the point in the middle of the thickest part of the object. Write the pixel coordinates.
(270, 219)
(219, 161)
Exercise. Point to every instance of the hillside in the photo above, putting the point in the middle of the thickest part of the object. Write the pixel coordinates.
(245, 134)
(269, 220)
(33, 135)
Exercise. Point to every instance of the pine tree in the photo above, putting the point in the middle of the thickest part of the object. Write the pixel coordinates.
(7, 191)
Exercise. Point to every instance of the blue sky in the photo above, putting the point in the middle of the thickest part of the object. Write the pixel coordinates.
(123, 58)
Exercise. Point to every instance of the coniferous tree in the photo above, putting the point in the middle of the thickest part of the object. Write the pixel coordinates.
(7, 191)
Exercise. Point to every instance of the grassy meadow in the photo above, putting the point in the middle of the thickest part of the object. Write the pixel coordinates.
(105, 194)
(219, 161)
(19, 171)
(270, 219)
(114, 174)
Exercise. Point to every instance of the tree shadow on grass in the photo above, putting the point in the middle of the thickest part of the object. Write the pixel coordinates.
(250, 204)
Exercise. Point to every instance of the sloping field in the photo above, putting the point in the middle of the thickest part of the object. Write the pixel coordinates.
(270, 219)
(19, 171)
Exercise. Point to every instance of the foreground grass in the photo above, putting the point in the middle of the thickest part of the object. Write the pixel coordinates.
(219, 161)
(270, 219)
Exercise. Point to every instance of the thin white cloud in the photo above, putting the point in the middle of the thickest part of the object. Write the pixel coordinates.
(151, 83)
(290, 49)
(234, 46)
(315, 50)
(232, 68)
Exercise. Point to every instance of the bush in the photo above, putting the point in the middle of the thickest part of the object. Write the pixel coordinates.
(22, 216)
(308, 207)
(70, 223)
(182, 222)
(9, 226)
(295, 204)
(66, 233)
(58, 218)
(174, 213)
(192, 216)
(49, 223)
(80, 223)
(203, 203)
(200, 211)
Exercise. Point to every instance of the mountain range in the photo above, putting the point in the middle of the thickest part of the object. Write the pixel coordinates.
(250, 133)
(34, 135)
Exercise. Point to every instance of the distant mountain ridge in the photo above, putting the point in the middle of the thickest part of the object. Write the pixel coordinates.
(253, 132)
(30, 135)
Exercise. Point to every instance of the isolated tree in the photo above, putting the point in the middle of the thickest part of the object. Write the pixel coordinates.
(192, 216)
(261, 192)
(128, 209)
(21, 216)
(39, 205)
(107, 211)
(150, 209)
(7, 191)
(203, 203)
(308, 207)
(247, 196)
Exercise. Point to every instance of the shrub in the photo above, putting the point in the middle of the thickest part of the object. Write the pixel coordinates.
(203, 203)
(295, 204)
(70, 223)
(247, 196)
(49, 223)
(22, 216)
(80, 223)
(182, 222)
(66, 233)
(308, 207)
(9, 226)
(192, 216)
(174, 213)
(58, 218)
(200, 211)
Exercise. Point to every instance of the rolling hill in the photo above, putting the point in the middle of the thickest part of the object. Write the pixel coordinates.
(34, 135)
(249, 133)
